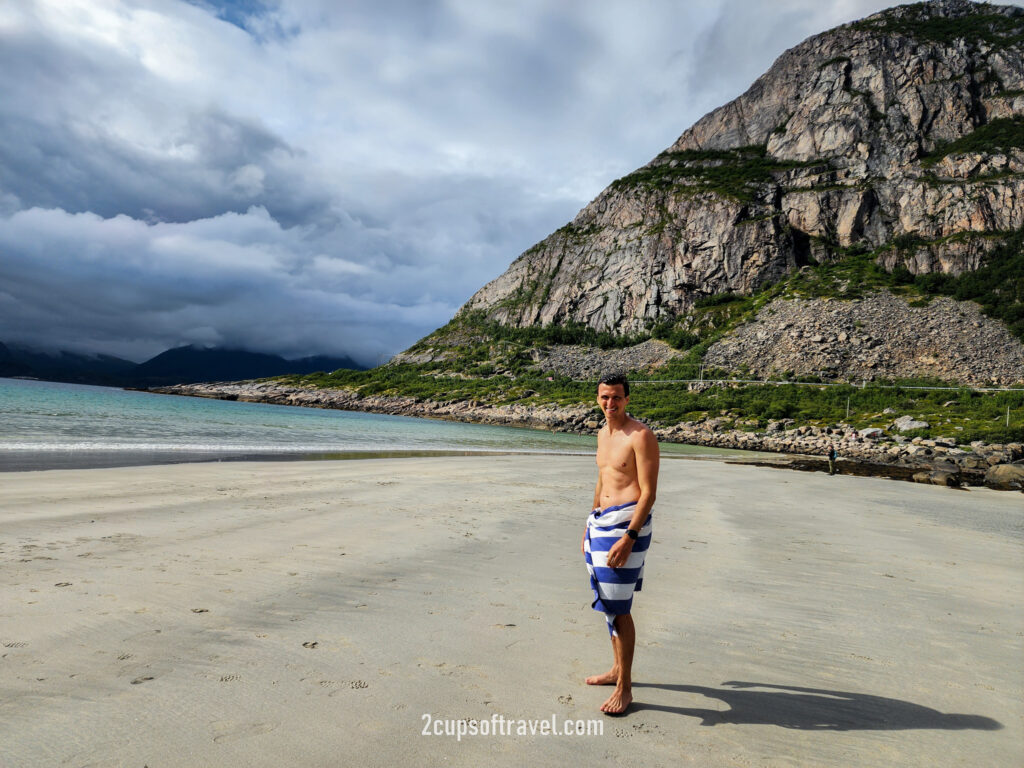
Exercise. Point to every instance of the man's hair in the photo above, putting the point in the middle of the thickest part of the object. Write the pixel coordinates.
(615, 379)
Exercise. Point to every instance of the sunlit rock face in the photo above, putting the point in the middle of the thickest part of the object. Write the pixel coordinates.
(890, 129)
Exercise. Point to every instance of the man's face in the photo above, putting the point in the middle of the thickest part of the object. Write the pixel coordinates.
(612, 399)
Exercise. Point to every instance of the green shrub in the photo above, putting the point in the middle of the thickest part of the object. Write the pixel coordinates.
(1000, 135)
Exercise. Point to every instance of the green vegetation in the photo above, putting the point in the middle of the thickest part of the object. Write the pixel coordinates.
(963, 414)
(1000, 135)
(849, 273)
(729, 173)
(916, 22)
(998, 286)
(834, 60)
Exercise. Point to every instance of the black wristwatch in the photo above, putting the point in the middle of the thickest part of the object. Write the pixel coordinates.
(632, 534)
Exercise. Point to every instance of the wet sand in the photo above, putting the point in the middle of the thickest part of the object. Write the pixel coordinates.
(311, 614)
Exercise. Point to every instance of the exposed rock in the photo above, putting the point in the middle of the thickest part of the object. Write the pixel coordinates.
(556, 418)
(588, 363)
(908, 423)
(938, 477)
(886, 338)
(1005, 477)
(839, 127)
(946, 479)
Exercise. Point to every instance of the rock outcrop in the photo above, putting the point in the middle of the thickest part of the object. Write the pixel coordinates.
(878, 337)
(586, 363)
(887, 130)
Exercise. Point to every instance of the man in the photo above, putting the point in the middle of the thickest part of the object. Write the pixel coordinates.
(618, 530)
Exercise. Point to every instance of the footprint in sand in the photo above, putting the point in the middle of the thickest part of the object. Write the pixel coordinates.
(225, 731)
(200, 610)
(349, 685)
(623, 733)
(139, 680)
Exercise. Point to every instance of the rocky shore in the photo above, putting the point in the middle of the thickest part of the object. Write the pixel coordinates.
(939, 461)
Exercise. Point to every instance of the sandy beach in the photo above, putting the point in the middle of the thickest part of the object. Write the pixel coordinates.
(313, 613)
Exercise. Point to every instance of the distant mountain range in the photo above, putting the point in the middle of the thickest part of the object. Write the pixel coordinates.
(182, 365)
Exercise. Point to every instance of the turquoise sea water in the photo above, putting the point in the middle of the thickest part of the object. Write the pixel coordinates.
(50, 425)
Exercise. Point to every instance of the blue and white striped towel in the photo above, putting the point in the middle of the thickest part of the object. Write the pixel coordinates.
(614, 587)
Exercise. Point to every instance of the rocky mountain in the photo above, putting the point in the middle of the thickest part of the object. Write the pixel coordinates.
(72, 367)
(195, 364)
(175, 366)
(898, 139)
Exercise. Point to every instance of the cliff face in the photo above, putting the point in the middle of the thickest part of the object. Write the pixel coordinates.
(907, 126)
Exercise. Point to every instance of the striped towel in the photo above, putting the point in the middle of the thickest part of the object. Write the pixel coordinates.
(614, 587)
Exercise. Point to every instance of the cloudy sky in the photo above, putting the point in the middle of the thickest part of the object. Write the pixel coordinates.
(329, 177)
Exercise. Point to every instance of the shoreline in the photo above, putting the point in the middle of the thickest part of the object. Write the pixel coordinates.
(48, 460)
(933, 461)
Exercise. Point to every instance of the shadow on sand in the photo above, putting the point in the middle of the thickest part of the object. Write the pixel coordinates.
(814, 709)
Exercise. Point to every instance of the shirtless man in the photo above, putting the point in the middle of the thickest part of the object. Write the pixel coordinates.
(618, 531)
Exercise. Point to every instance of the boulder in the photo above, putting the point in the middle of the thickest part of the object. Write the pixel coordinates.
(907, 423)
(938, 477)
(946, 479)
(1005, 477)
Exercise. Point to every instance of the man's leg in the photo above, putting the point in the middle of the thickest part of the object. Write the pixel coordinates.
(611, 677)
(622, 646)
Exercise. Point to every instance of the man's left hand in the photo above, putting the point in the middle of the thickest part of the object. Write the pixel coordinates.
(620, 552)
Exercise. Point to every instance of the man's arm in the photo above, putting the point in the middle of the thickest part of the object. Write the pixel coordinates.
(597, 503)
(645, 448)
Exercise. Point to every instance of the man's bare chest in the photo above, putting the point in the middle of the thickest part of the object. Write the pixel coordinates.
(616, 456)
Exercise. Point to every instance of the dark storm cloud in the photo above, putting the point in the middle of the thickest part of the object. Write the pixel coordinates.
(57, 150)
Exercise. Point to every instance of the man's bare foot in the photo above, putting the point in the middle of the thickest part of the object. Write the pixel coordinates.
(618, 702)
(610, 677)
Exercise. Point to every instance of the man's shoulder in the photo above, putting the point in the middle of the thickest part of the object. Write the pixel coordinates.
(637, 427)
(640, 433)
